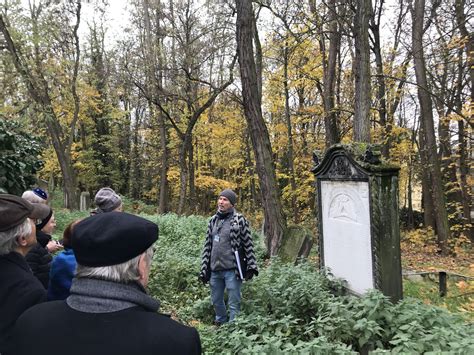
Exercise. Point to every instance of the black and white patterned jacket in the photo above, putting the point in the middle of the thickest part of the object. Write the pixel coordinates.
(240, 239)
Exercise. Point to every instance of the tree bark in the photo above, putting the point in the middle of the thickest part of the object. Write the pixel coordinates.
(290, 158)
(381, 87)
(275, 222)
(361, 130)
(155, 87)
(330, 62)
(462, 131)
(426, 106)
(426, 187)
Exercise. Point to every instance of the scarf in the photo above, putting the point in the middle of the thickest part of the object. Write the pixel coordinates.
(224, 215)
(100, 296)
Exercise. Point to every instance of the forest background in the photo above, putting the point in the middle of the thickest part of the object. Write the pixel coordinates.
(191, 97)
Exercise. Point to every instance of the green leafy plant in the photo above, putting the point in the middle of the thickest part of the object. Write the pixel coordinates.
(294, 308)
(19, 158)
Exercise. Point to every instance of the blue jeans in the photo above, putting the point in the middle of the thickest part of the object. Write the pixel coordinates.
(221, 280)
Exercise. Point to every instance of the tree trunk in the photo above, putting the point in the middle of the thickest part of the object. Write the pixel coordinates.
(381, 87)
(183, 174)
(191, 178)
(362, 72)
(460, 5)
(331, 124)
(291, 169)
(136, 182)
(155, 87)
(251, 172)
(163, 203)
(426, 188)
(275, 222)
(426, 106)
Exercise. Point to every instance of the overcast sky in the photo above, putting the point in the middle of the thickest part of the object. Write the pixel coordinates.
(116, 18)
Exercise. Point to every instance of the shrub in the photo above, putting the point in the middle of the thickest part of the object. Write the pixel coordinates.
(19, 158)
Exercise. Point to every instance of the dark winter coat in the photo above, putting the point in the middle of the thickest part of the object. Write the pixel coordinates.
(240, 240)
(82, 326)
(40, 259)
(19, 290)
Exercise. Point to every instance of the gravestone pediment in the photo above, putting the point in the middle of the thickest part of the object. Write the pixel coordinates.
(339, 166)
(351, 162)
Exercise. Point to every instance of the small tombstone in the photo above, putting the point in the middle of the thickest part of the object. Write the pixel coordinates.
(359, 235)
(296, 244)
(84, 201)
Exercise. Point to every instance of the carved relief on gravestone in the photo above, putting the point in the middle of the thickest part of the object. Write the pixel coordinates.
(342, 207)
(346, 232)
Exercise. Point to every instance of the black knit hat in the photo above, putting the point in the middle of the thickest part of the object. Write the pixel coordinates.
(112, 238)
(14, 210)
(230, 195)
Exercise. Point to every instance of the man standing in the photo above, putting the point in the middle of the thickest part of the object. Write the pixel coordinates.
(108, 310)
(19, 288)
(227, 256)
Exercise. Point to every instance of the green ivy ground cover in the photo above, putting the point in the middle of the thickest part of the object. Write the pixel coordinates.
(290, 309)
(294, 309)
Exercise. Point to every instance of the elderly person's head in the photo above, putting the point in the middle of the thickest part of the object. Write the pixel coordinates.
(36, 195)
(115, 247)
(107, 200)
(17, 223)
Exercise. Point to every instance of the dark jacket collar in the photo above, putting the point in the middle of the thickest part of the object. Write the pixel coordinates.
(16, 258)
(42, 238)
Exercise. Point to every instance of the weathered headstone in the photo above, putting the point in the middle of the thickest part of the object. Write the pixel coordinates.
(296, 244)
(359, 235)
(84, 201)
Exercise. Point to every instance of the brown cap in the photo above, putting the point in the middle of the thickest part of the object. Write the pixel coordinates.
(14, 210)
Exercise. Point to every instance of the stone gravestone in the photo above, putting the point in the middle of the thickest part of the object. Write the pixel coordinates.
(84, 201)
(359, 235)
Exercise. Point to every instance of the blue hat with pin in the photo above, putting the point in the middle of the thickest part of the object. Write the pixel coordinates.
(41, 193)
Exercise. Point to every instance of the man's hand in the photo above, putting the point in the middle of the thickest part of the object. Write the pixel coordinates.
(203, 278)
(250, 274)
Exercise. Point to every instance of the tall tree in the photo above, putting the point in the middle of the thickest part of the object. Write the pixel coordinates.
(463, 134)
(427, 122)
(330, 46)
(154, 57)
(43, 92)
(361, 65)
(275, 221)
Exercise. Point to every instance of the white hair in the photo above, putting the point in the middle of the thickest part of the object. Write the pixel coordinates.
(9, 238)
(30, 196)
(124, 273)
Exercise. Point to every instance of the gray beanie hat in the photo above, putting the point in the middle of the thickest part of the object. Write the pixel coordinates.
(230, 195)
(107, 199)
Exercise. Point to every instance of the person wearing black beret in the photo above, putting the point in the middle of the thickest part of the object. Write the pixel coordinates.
(108, 310)
(19, 289)
(227, 257)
